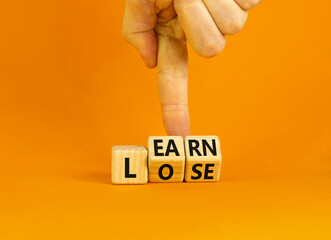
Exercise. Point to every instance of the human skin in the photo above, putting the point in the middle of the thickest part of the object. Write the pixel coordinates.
(159, 30)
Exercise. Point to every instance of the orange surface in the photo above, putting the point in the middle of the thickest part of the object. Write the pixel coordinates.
(71, 87)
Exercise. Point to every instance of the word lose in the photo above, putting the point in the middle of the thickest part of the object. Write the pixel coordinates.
(168, 159)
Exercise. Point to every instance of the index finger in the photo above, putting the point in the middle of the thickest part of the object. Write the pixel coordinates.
(172, 80)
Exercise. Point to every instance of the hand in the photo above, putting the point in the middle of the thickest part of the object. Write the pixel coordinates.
(158, 29)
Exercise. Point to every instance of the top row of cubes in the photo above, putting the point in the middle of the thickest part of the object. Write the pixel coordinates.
(168, 159)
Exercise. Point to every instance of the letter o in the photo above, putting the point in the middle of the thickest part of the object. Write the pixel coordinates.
(171, 172)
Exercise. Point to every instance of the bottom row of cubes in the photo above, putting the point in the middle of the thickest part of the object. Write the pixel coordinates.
(168, 159)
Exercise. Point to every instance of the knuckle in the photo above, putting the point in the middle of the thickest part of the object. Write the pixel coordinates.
(183, 5)
(127, 36)
(172, 73)
(212, 48)
(234, 25)
(248, 4)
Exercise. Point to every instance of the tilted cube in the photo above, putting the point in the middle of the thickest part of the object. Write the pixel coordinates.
(203, 159)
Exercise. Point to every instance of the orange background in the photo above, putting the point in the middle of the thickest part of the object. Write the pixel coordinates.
(71, 87)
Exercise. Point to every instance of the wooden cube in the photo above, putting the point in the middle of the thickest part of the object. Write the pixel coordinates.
(203, 159)
(129, 165)
(166, 159)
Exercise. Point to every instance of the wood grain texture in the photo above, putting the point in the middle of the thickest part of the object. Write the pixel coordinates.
(137, 172)
(203, 159)
(171, 155)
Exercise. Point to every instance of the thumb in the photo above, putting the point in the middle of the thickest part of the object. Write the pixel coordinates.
(138, 29)
(172, 79)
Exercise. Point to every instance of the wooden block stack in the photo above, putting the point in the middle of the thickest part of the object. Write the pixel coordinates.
(203, 159)
(168, 159)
